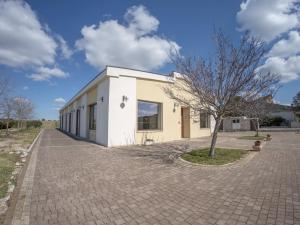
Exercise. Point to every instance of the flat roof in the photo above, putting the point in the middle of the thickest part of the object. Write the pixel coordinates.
(116, 71)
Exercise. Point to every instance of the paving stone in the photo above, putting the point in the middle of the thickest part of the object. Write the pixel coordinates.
(77, 182)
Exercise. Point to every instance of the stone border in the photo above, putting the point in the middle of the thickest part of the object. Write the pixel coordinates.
(22, 208)
(243, 159)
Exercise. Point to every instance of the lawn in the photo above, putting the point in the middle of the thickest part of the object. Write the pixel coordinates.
(254, 138)
(18, 139)
(7, 165)
(223, 156)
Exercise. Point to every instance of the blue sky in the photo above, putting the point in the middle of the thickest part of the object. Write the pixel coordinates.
(55, 47)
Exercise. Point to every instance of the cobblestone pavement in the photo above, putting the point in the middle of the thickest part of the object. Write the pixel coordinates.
(81, 183)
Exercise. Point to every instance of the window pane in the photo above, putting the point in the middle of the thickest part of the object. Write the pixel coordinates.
(148, 115)
(204, 120)
(92, 116)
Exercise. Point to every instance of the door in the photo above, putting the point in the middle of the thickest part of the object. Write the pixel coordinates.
(78, 122)
(70, 122)
(185, 122)
(236, 124)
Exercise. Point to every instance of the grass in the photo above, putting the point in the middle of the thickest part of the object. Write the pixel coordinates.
(7, 165)
(26, 137)
(223, 156)
(254, 138)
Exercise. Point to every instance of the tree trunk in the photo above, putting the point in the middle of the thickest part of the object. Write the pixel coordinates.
(7, 127)
(257, 125)
(214, 138)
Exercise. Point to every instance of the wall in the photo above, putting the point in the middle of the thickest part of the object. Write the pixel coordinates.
(102, 112)
(245, 124)
(83, 116)
(91, 99)
(171, 115)
(122, 118)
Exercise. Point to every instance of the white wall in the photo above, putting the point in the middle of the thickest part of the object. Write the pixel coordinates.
(83, 116)
(122, 121)
(102, 112)
(212, 124)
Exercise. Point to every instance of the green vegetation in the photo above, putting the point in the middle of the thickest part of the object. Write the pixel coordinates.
(254, 138)
(223, 156)
(7, 164)
(26, 137)
(273, 121)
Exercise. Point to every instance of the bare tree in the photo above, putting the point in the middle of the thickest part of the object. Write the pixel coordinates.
(24, 110)
(221, 85)
(296, 100)
(7, 111)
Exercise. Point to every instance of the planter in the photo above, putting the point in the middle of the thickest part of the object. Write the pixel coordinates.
(257, 146)
(268, 138)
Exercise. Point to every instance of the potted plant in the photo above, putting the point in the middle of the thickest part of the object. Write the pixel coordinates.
(268, 137)
(257, 146)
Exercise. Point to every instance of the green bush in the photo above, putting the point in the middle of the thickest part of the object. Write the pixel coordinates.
(33, 124)
(273, 121)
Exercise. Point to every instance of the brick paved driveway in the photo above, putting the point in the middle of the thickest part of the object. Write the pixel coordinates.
(80, 183)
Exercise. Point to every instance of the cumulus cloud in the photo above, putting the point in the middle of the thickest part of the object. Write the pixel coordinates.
(65, 50)
(26, 44)
(268, 19)
(23, 39)
(130, 45)
(60, 101)
(45, 74)
(288, 69)
(286, 47)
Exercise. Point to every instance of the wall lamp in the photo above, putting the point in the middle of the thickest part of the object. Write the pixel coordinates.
(175, 106)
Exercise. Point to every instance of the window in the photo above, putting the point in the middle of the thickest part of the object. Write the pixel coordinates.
(149, 115)
(92, 116)
(236, 121)
(204, 120)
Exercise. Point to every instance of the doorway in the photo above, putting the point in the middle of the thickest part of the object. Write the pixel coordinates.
(70, 122)
(185, 122)
(78, 122)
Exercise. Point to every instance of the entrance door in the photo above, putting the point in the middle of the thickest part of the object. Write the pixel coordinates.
(78, 122)
(185, 122)
(70, 122)
(236, 124)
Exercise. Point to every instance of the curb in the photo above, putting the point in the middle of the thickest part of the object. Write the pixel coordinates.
(240, 161)
(22, 208)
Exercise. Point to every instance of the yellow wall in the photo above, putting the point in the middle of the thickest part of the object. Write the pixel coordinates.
(92, 96)
(149, 90)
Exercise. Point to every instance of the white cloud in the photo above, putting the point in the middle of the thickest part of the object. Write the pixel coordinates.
(268, 19)
(45, 74)
(286, 47)
(131, 45)
(25, 88)
(288, 69)
(140, 21)
(65, 50)
(26, 44)
(23, 39)
(59, 101)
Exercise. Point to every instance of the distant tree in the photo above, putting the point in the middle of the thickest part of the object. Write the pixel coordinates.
(7, 111)
(24, 110)
(296, 100)
(221, 86)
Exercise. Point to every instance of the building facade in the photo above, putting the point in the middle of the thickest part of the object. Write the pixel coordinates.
(123, 107)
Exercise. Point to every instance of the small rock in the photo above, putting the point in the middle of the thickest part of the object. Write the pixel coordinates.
(18, 164)
(23, 160)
